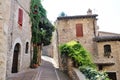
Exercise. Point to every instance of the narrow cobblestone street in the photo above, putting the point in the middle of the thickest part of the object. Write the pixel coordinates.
(46, 71)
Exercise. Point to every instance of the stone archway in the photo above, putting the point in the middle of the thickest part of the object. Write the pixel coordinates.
(15, 58)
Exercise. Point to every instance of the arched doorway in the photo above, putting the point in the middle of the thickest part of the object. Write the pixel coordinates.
(15, 58)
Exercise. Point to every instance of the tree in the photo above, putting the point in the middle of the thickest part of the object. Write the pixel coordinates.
(41, 29)
(62, 14)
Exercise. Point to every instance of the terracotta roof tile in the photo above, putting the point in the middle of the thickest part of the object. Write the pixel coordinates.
(107, 38)
(77, 17)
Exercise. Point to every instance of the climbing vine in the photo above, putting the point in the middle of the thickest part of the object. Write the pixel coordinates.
(41, 27)
(35, 19)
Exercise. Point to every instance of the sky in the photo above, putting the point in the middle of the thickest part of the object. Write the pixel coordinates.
(108, 11)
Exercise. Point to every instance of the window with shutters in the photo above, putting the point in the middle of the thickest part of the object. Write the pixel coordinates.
(20, 17)
(107, 50)
(79, 30)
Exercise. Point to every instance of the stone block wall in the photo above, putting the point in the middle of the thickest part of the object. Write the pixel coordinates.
(74, 73)
(3, 45)
(67, 32)
(18, 34)
(114, 57)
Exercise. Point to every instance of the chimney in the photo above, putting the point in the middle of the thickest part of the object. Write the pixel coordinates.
(89, 12)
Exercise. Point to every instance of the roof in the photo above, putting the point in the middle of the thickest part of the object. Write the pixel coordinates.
(106, 38)
(77, 17)
(110, 33)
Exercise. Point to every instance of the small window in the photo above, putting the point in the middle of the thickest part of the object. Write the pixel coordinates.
(20, 17)
(27, 47)
(112, 75)
(79, 30)
(107, 50)
(100, 67)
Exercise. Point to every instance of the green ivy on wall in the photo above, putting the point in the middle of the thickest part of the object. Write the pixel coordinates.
(41, 27)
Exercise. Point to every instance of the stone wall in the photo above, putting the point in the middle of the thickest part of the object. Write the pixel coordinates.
(67, 32)
(56, 55)
(3, 45)
(113, 61)
(74, 73)
(48, 50)
(18, 34)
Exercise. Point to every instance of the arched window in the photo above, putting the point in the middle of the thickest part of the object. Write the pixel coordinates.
(107, 50)
(27, 47)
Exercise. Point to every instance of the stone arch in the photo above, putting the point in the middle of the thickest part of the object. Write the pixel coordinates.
(16, 42)
(15, 63)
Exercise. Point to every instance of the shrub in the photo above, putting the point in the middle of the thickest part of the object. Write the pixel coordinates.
(76, 51)
(93, 74)
(82, 58)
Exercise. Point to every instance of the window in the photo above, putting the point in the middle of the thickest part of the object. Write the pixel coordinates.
(100, 67)
(79, 30)
(107, 50)
(112, 75)
(20, 17)
(27, 46)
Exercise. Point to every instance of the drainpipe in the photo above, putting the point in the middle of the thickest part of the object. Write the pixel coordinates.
(95, 35)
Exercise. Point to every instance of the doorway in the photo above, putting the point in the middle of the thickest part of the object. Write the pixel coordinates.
(15, 58)
(112, 75)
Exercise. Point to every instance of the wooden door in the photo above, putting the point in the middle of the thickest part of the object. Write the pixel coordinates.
(15, 59)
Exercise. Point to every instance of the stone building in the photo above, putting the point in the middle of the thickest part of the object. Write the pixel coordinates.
(3, 45)
(103, 46)
(108, 58)
(15, 36)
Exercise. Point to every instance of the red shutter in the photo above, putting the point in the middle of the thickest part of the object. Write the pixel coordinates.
(20, 17)
(79, 30)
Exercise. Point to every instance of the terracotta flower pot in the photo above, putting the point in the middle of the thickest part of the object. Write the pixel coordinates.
(35, 65)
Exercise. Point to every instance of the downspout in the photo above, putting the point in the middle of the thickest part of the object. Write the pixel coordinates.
(95, 35)
(94, 26)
